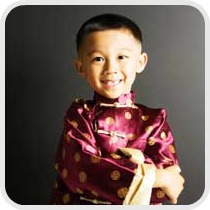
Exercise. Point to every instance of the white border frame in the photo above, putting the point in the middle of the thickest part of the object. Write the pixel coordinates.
(8, 5)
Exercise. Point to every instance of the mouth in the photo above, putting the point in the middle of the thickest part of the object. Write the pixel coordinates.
(111, 83)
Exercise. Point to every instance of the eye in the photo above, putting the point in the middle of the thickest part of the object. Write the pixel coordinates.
(121, 57)
(98, 59)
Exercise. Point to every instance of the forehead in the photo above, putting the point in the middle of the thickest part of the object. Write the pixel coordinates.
(110, 39)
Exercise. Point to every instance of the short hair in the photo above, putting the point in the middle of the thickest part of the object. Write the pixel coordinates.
(107, 22)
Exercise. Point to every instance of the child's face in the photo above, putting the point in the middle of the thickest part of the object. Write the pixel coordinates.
(109, 60)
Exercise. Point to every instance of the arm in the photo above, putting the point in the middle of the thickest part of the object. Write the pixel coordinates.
(170, 181)
(83, 169)
(161, 151)
(160, 147)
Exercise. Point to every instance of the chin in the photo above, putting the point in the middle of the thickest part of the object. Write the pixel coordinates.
(113, 96)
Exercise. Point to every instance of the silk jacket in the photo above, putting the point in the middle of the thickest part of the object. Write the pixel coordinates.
(90, 165)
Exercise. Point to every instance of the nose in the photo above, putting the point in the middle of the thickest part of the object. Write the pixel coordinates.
(111, 67)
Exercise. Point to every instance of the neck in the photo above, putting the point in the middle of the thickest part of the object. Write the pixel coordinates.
(124, 99)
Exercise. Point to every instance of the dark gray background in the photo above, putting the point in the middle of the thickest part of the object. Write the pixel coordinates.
(41, 83)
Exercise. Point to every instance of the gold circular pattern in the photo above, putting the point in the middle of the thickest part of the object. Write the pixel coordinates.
(74, 123)
(109, 121)
(115, 175)
(95, 159)
(148, 129)
(122, 192)
(66, 198)
(128, 115)
(87, 136)
(82, 177)
(151, 141)
(78, 190)
(65, 173)
(131, 136)
(160, 194)
(145, 117)
(171, 148)
(163, 135)
(77, 157)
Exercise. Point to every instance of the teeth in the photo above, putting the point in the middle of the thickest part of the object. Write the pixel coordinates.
(111, 82)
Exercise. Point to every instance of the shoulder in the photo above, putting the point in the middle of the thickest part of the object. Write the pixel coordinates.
(152, 112)
(79, 105)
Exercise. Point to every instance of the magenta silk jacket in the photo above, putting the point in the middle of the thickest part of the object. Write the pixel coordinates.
(90, 170)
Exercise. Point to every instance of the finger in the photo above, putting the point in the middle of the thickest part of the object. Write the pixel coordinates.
(174, 168)
(183, 180)
(178, 169)
(174, 201)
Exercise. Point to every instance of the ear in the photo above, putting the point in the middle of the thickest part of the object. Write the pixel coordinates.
(78, 67)
(142, 62)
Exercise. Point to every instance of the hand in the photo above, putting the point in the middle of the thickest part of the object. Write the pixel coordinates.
(170, 181)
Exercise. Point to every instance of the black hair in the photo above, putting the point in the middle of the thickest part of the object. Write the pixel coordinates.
(106, 22)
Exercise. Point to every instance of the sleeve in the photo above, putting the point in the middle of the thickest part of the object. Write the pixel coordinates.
(160, 150)
(161, 145)
(141, 187)
(83, 169)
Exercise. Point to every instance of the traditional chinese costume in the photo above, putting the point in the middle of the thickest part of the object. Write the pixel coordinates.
(109, 151)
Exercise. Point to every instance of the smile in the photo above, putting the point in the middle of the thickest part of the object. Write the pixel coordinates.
(111, 83)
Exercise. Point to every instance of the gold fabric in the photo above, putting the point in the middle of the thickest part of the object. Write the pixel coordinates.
(140, 190)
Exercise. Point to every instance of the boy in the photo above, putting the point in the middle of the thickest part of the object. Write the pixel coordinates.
(112, 150)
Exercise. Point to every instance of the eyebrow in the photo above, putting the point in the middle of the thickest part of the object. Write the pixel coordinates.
(94, 51)
(99, 51)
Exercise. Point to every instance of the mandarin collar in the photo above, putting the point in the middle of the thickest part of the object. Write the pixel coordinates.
(124, 99)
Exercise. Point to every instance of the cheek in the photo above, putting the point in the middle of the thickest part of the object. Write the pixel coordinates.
(131, 69)
(131, 73)
(132, 78)
(92, 74)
